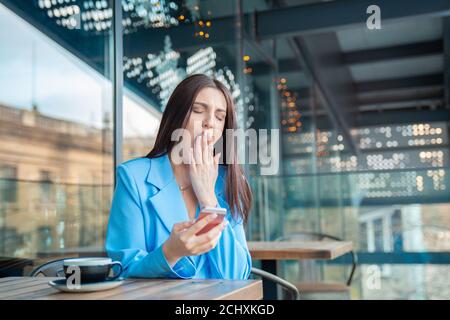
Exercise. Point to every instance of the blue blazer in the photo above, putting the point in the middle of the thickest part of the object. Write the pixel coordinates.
(147, 202)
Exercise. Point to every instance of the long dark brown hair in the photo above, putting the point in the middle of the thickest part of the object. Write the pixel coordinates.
(178, 109)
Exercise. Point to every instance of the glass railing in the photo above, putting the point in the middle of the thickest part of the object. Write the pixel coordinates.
(381, 211)
(367, 187)
(397, 220)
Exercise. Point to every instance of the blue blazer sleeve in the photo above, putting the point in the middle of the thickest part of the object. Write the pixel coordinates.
(230, 258)
(125, 238)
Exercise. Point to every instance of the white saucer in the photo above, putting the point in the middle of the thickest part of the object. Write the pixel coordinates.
(61, 285)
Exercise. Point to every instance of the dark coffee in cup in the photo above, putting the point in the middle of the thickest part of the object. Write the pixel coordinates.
(91, 269)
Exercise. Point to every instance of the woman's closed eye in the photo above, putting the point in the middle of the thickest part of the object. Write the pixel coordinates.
(219, 116)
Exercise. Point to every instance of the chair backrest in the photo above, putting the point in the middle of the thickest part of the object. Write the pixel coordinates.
(315, 236)
(13, 267)
(49, 269)
(294, 293)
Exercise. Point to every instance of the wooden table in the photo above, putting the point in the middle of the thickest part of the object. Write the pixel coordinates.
(136, 289)
(271, 251)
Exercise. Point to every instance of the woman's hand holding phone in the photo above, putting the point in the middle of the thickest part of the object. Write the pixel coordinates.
(220, 216)
(185, 239)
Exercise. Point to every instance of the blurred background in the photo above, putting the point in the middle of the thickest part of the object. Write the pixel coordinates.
(363, 113)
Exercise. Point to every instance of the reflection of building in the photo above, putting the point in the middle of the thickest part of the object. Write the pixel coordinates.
(393, 229)
(135, 147)
(56, 180)
(40, 148)
(398, 229)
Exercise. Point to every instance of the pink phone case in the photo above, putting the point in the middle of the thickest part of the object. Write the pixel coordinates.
(213, 223)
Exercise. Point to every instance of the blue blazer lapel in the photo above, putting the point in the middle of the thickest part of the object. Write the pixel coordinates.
(167, 201)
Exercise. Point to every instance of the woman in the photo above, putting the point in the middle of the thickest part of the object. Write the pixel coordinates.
(152, 228)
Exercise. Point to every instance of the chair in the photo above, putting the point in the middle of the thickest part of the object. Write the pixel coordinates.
(323, 290)
(292, 289)
(13, 267)
(49, 269)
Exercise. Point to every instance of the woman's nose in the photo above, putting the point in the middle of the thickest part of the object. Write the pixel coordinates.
(208, 122)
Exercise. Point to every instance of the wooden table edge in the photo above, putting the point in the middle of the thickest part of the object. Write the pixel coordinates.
(313, 254)
(243, 293)
(252, 290)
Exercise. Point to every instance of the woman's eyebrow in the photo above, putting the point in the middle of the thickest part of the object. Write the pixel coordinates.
(202, 104)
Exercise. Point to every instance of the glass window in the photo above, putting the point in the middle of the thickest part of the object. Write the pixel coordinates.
(8, 183)
(397, 237)
(56, 131)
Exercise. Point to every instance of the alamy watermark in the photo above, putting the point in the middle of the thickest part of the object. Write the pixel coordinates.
(263, 147)
(74, 280)
(373, 277)
(374, 20)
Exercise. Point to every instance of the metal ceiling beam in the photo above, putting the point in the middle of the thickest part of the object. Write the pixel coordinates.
(432, 80)
(403, 104)
(446, 37)
(387, 99)
(419, 49)
(328, 16)
(394, 52)
(386, 117)
(400, 83)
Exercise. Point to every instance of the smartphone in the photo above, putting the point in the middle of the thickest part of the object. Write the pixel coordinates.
(221, 213)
